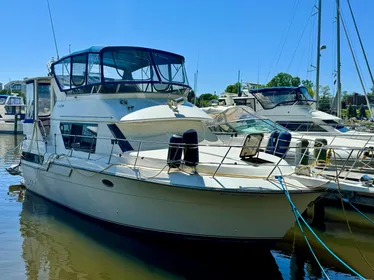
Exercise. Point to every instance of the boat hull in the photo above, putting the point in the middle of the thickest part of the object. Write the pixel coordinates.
(158, 208)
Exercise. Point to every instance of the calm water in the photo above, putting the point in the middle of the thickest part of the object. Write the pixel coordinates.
(40, 240)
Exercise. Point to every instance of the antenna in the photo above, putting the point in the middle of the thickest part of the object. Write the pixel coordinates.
(258, 73)
(53, 29)
(238, 82)
(69, 48)
(195, 79)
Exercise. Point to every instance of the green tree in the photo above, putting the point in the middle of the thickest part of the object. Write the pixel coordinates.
(234, 88)
(345, 95)
(362, 112)
(324, 98)
(352, 113)
(284, 79)
(307, 83)
(309, 86)
(205, 98)
(371, 95)
(295, 82)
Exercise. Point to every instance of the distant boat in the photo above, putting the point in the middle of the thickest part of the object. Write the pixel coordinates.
(10, 106)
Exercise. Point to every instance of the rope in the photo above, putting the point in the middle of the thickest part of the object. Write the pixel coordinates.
(283, 39)
(312, 231)
(298, 43)
(361, 44)
(11, 150)
(293, 207)
(354, 207)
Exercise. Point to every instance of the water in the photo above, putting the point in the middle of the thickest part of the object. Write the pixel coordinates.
(40, 240)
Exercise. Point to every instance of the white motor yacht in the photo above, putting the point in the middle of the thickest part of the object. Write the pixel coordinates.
(232, 124)
(117, 140)
(11, 107)
(350, 160)
(292, 107)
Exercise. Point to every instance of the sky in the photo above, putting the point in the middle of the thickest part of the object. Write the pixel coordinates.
(217, 38)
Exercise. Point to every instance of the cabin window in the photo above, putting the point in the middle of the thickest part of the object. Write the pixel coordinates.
(121, 69)
(32, 157)
(170, 67)
(250, 102)
(79, 136)
(12, 110)
(29, 101)
(94, 69)
(62, 73)
(302, 126)
(78, 77)
(44, 100)
(14, 101)
(3, 100)
(121, 65)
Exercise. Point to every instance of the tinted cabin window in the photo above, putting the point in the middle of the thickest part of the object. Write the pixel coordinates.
(80, 137)
(302, 126)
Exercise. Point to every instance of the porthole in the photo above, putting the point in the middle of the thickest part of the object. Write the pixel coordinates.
(107, 183)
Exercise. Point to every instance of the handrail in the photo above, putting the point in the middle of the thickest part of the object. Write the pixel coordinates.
(211, 145)
(235, 160)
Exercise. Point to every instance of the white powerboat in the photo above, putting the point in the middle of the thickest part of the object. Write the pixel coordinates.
(117, 140)
(233, 123)
(292, 108)
(11, 107)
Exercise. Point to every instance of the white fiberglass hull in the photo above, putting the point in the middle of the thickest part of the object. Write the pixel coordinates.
(222, 215)
(8, 127)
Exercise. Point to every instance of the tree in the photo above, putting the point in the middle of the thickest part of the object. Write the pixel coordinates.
(234, 88)
(309, 86)
(371, 95)
(205, 98)
(284, 79)
(307, 83)
(295, 81)
(191, 96)
(352, 113)
(362, 114)
(324, 98)
(345, 95)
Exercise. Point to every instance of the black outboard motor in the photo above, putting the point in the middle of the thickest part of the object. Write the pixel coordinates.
(175, 151)
(191, 150)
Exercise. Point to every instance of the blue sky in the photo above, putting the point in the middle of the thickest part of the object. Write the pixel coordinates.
(219, 36)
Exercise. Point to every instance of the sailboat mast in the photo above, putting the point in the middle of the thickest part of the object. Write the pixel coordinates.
(239, 85)
(318, 52)
(339, 86)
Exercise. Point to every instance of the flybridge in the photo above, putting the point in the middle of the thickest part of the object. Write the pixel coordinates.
(278, 96)
(121, 70)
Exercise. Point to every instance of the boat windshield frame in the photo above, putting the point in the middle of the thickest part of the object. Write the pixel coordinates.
(121, 61)
(302, 97)
(242, 119)
(3, 97)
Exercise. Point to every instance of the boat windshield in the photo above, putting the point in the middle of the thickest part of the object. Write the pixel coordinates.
(272, 97)
(121, 70)
(3, 100)
(242, 121)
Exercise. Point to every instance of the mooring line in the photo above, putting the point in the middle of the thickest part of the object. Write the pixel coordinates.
(298, 215)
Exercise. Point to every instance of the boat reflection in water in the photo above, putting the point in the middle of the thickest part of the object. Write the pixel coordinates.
(353, 248)
(61, 245)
